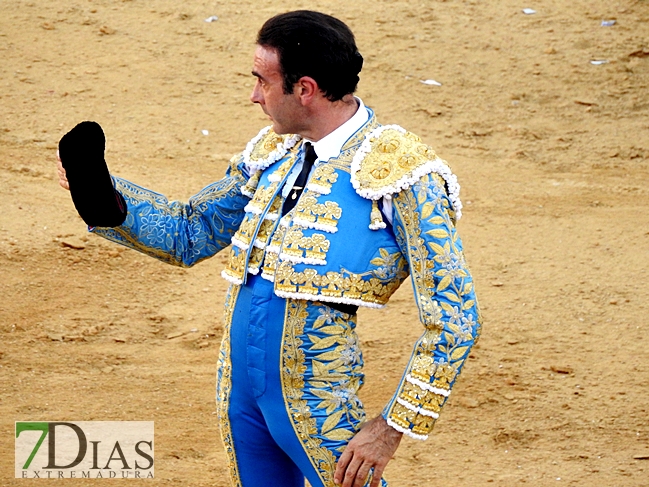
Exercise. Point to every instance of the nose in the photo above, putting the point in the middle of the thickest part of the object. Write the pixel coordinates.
(256, 96)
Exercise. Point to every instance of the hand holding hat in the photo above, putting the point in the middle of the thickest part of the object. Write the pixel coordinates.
(81, 152)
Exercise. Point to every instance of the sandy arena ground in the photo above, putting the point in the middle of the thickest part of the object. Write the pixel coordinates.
(553, 156)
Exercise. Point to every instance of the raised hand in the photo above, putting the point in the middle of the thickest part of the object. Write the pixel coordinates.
(84, 172)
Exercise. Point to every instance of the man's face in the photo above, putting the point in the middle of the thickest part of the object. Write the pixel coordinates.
(283, 110)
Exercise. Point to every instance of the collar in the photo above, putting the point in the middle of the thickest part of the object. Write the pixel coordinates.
(331, 145)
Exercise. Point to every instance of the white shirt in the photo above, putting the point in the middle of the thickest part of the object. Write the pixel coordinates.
(331, 145)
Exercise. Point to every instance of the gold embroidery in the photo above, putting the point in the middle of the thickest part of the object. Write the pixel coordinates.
(323, 215)
(376, 218)
(444, 375)
(342, 286)
(402, 416)
(335, 284)
(393, 156)
(224, 386)
(275, 206)
(299, 247)
(293, 369)
(254, 262)
(336, 378)
(148, 238)
(292, 242)
(283, 274)
(438, 270)
(263, 235)
(254, 228)
(406, 206)
(263, 195)
(271, 257)
(247, 229)
(270, 262)
(423, 424)
(344, 160)
(433, 402)
(328, 213)
(422, 398)
(305, 206)
(316, 246)
(236, 264)
(423, 368)
(413, 394)
(264, 231)
(324, 176)
(270, 143)
(308, 280)
(251, 185)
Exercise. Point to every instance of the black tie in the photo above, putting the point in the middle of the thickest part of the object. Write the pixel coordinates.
(309, 158)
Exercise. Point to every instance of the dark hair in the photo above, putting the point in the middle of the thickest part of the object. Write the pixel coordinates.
(317, 45)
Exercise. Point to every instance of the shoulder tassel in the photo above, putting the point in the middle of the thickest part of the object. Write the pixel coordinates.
(376, 219)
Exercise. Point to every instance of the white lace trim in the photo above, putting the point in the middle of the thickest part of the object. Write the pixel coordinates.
(253, 270)
(239, 244)
(301, 260)
(274, 178)
(245, 192)
(315, 225)
(327, 299)
(316, 188)
(273, 249)
(231, 279)
(274, 156)
(406, 431)
(437, 166)
(271, 216)
(417, 409)
(428, 387)
(251, 208)
(377, 226)
(259, 244)
(268, 277)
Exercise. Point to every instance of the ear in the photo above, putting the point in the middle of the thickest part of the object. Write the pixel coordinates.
(307, 90)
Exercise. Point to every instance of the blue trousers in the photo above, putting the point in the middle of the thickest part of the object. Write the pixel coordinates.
(288, 377)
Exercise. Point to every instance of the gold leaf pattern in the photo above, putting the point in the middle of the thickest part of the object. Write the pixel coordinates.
(447, 306)
(394, 156)
(224, 386)
(321, 387)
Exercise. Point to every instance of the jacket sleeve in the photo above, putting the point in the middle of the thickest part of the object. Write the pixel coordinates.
(178, 233)
(443, 287)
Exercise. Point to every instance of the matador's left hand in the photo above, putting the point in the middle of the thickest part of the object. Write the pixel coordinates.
(372, 447)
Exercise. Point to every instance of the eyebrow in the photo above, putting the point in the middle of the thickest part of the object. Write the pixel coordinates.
(256, 74)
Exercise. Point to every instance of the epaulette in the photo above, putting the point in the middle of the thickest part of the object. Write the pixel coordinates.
(266, 148)
(391, 159)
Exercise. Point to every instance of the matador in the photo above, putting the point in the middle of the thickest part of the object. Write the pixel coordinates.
(325, 211)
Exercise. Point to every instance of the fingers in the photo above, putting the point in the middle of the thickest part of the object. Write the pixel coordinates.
(362, 474)
(369, 451)
(351, 474)
(343, 461)
(63, 180)
(376, 475)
